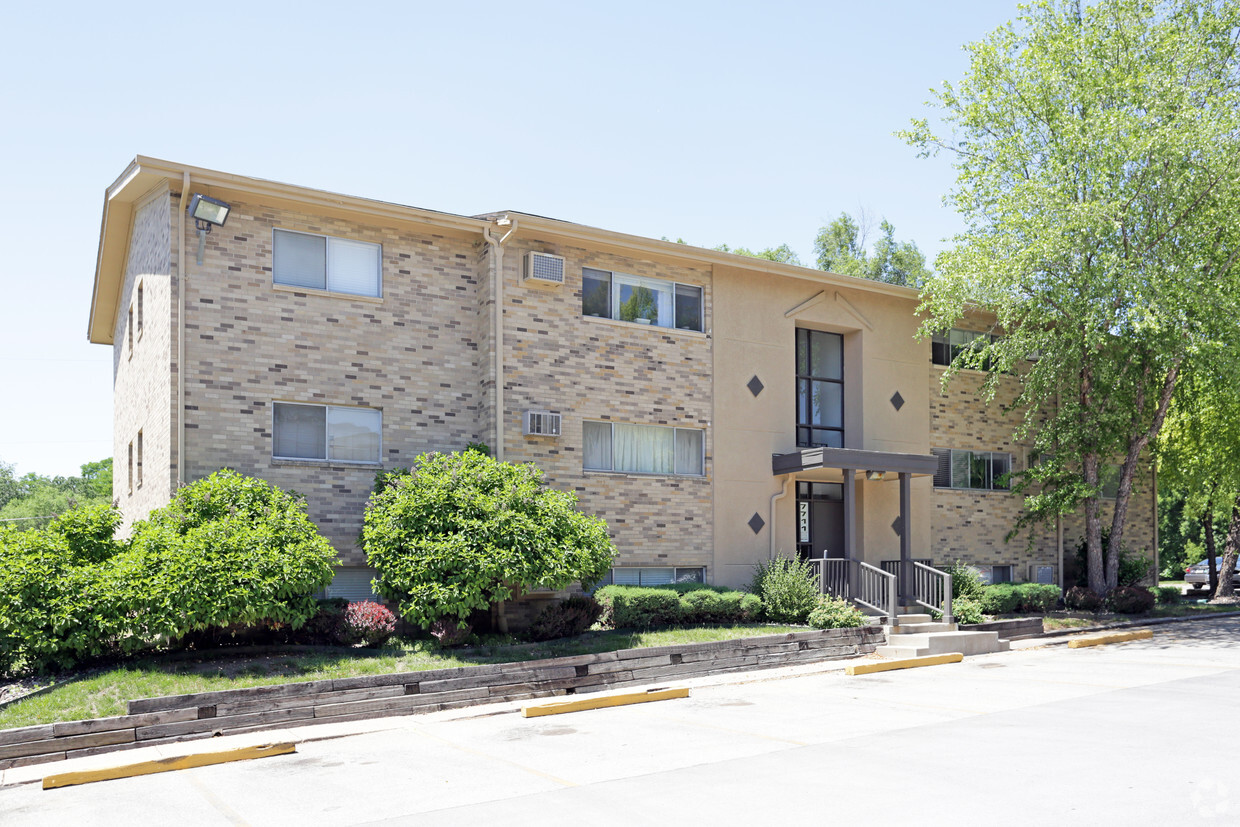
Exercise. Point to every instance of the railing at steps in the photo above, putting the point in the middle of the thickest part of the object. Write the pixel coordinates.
(931, 588)
(865, 585)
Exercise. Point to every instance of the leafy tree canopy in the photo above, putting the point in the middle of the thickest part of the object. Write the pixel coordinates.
(30, 501)
(840, 247)
(1098, 174)
(783, 253)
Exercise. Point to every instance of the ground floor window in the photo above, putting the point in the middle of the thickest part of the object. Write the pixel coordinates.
(653, 576)
(995, 574)
(353, 584)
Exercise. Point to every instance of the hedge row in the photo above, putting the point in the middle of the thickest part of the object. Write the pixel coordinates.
(639, 607)
(226, 550)
(1002, 598)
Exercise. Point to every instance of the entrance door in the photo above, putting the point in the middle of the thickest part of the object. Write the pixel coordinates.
(820, 519)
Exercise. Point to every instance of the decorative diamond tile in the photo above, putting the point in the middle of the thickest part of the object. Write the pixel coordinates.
(895, 526)
(897, 401)
(755, 386)
(756, 522)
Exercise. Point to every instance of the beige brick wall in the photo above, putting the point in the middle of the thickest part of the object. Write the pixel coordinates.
(587, 368)
(414, 355)
(971, 525)
(142, 385)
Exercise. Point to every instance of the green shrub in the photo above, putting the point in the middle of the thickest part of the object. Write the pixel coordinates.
(1130, 600)
(228, 549)
(789, 589)
(1082, 598)
(967, 610)
(966, 582)
(227, 552)
(1134, 567)
(1167, 595)
(1037, 598)
(566, 618)
(326, 626)
(644, 607)
(836, 613)
(459, 532)
(639, 607)
(999, 598)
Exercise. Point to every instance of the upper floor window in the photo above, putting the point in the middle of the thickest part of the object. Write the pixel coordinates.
(945, 347)
(643, 449)
(820, 389)
(985, 470)
(321, 262)
(326, 432)
(640, 300)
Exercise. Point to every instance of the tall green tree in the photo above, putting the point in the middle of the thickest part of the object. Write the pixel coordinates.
(841, 247)
(30, 501)
(1097, 172)
(783, 253)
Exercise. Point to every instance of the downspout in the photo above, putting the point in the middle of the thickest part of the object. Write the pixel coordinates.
(497, 324)
(776, 497)
(182, 277)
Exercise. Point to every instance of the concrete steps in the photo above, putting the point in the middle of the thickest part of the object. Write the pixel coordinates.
(915, 635)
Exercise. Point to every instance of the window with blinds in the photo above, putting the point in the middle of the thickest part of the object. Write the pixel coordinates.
(320, 262)
(643, 449)
(979, 470)
(326, 432)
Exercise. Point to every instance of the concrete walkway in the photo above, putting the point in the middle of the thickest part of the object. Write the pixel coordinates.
(1035, 735)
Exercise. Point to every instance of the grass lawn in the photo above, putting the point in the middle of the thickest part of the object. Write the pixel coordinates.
(101, 693)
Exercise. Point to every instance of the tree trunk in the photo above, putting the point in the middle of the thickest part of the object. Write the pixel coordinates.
(1093, 532)
(501, 618)
(1223, 589)
(1207, 530)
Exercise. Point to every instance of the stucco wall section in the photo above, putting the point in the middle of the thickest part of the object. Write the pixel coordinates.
(590, 369)
(142, 386)
(413, 355)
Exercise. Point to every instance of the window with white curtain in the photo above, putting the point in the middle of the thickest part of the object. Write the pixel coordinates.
(326, 432)
(641, 300)
(320, 262)
(643, 449)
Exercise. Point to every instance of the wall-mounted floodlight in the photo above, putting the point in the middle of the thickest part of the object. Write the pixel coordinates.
(207, 212)
(875, 476)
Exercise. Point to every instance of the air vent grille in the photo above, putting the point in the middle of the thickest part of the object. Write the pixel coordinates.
(542, 423)
(544, 268)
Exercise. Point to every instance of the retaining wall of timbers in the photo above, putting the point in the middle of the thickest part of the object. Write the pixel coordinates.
(228, 712)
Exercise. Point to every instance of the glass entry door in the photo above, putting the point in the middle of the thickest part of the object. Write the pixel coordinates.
(820, 520)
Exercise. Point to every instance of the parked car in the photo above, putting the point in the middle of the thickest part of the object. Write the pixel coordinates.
(1198, 575)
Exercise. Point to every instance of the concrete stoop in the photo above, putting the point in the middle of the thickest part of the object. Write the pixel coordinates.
(916, 635)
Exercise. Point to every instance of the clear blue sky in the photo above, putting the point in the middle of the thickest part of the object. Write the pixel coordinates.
(741, 123)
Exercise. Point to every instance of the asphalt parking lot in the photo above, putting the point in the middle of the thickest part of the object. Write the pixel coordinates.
(1099, 736)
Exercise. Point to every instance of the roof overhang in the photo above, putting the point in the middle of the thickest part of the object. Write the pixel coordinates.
(808, 459)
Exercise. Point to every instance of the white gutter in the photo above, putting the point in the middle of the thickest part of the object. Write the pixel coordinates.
(778, 495)
(497, 324)
(182, 278)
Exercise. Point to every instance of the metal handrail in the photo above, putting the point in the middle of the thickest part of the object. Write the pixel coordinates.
(865, 585)
(932, 588)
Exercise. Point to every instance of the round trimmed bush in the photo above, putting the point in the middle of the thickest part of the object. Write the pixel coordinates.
(836, 613)
(568, 618)
(1130, 600)
(1083, 599)
(967, 610)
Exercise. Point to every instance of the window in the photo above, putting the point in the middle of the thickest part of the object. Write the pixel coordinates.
(322, 262)
(1108, 480)
(139, 304)
(326, 432)
(129, 333)
(640, 300)
(138, 455)
(129, 474)
(634, 576)
(985, 470)
(995, 574)
(945, 347)
(820, 389)
(643, 449)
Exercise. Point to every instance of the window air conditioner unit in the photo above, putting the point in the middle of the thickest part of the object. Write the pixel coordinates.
(543, 268)
(541, 423)
(1041, 573)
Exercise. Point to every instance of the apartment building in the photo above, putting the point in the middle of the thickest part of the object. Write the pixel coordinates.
(714, 409)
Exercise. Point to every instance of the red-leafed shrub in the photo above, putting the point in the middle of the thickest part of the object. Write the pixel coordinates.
(368, 623)
(1082, 598)
(1131, 600)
